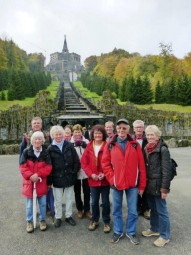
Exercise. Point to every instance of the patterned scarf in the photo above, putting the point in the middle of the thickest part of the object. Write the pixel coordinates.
(78, 141)
(151, 146)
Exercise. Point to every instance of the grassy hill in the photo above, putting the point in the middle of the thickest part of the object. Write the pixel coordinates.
(5, 105)
(163, 107)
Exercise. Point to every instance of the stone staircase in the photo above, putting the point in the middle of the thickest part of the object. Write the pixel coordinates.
(73, 103)
(73, 108)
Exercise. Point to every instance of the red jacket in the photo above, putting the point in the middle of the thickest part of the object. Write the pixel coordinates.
(93, 166)
(29, 165)
(124, 170)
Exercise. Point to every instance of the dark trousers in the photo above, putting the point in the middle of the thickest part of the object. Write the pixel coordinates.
(142, 203)
(82, 206)
(95, 194)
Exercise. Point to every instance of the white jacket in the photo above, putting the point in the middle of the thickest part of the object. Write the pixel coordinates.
(80, 150)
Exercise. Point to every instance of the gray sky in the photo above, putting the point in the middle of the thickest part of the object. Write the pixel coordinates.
(95, 27)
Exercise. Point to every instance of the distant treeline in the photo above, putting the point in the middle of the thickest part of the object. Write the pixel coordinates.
(21, 75)
(140, 79)
(139, 90)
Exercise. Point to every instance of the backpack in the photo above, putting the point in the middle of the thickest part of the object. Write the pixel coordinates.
(174, 165)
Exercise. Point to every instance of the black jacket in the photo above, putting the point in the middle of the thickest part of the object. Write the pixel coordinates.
(144, 141)
(158, 169)
(65, 165)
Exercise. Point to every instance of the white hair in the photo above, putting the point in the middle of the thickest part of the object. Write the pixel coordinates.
(138, 122)
(56, 129)
(37, 134)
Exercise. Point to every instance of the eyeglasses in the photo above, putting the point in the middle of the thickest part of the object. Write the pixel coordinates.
(138, 127)
(121, 128)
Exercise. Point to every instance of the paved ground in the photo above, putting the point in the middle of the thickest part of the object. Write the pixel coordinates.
(78, 240)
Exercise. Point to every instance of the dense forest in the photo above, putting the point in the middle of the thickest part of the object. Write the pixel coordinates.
(21, 75)
(140, 79)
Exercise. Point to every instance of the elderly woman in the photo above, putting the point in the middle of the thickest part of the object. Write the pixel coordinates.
(65, 166)
(91, 163)
(35, 166)
(157, 159)
(83, 205)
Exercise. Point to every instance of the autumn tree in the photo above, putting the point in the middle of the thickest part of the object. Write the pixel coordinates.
(90, 63)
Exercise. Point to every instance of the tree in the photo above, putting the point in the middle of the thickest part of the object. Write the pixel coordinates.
(18, 86)
(10, 93)
(131, 89)
(147, 94)
(184, 90)
(3, 79)
(158, 94)
(166, 54)
(90, 63)
(3, 98)
(123, 91)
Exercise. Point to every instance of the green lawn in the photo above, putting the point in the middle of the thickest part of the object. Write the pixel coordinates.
(167, 107)
(87, 93)
(5, 105)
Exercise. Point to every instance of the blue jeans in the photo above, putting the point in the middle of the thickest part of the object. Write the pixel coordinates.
(42, 208)
(159, 218)
(95, 194)
(132, 217)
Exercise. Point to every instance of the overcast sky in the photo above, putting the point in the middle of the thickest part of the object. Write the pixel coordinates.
(93, 27)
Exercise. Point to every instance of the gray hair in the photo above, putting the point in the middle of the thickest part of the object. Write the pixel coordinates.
(138, 122)
(110, 123)
(37, 134)
(55, 129)
(154, 129)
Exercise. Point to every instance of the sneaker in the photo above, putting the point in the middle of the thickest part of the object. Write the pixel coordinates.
(116, 237)
(43, 225)
(106, 228)
(133, 239)
(80, 214)
(149, 232)
(160, 242)
(93, 225)
(57, 223)
(88, 214)
(71, 221)
(146, 214)
(30, 227)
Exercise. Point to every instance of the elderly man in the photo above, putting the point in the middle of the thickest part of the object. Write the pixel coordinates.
(36, 125)
(139, 136)
(122, 164)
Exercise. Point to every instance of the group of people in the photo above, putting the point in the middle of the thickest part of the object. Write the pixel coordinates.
(137, 165)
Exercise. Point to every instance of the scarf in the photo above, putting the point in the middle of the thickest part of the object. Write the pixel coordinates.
(151, 146)
(139, 137)
(78, 141)
(67, 138)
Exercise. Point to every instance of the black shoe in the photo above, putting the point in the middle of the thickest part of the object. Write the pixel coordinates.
(57, 223)
(71, 221)
(133, 239)
(116, 238)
